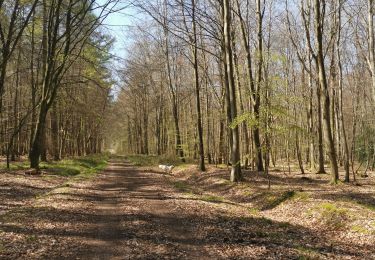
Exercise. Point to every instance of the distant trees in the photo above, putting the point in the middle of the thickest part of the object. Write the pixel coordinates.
(54, 81)
(281, 82)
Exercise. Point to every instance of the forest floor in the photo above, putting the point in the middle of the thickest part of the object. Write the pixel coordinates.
(137, 212)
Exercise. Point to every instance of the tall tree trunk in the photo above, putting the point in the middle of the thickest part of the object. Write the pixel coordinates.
(371, 38)
(236, 174)
(242, 109)
(254, 90)
(324, 85)
(197, 92)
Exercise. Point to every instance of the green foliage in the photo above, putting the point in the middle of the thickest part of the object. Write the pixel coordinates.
(246, 117)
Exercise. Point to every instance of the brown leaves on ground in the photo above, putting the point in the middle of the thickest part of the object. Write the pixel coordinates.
(133, 213)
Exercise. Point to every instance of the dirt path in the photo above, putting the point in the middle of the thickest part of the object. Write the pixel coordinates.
(129, 213)
(138, 218)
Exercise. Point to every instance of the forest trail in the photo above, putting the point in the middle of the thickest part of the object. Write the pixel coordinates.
(130, 212)
(135, 213)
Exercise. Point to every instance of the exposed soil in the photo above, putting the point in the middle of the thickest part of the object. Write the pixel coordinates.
(133, 213)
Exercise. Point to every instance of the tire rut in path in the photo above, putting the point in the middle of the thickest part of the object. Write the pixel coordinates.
(137, 220)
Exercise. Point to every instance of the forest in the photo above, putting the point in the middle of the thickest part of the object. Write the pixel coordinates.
(199, 129)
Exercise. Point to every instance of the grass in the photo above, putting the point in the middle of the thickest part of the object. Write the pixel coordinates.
(15, 166)
(81, 168)
(253, 211)
(212, 198)
(360, 229)
(332, 215)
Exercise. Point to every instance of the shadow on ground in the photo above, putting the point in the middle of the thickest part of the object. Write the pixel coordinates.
(127, 214)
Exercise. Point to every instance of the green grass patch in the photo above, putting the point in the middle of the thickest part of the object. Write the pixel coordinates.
(15, 166)
(82, 168)
(212, 198)
(253, 211)
(332, 216)
(360, 229)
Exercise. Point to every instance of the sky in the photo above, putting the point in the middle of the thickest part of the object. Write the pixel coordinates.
(117, 24)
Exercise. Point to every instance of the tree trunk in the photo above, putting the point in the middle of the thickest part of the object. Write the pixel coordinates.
(197, 92)
(325, 90)
(37, 144)
(236, 174)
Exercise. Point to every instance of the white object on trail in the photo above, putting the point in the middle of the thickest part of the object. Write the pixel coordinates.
(166, 168)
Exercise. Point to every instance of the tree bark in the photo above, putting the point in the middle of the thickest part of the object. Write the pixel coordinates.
(236, 174)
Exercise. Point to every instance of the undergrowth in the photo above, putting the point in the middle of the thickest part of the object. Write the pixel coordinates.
(331, 215)
(80, 167)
